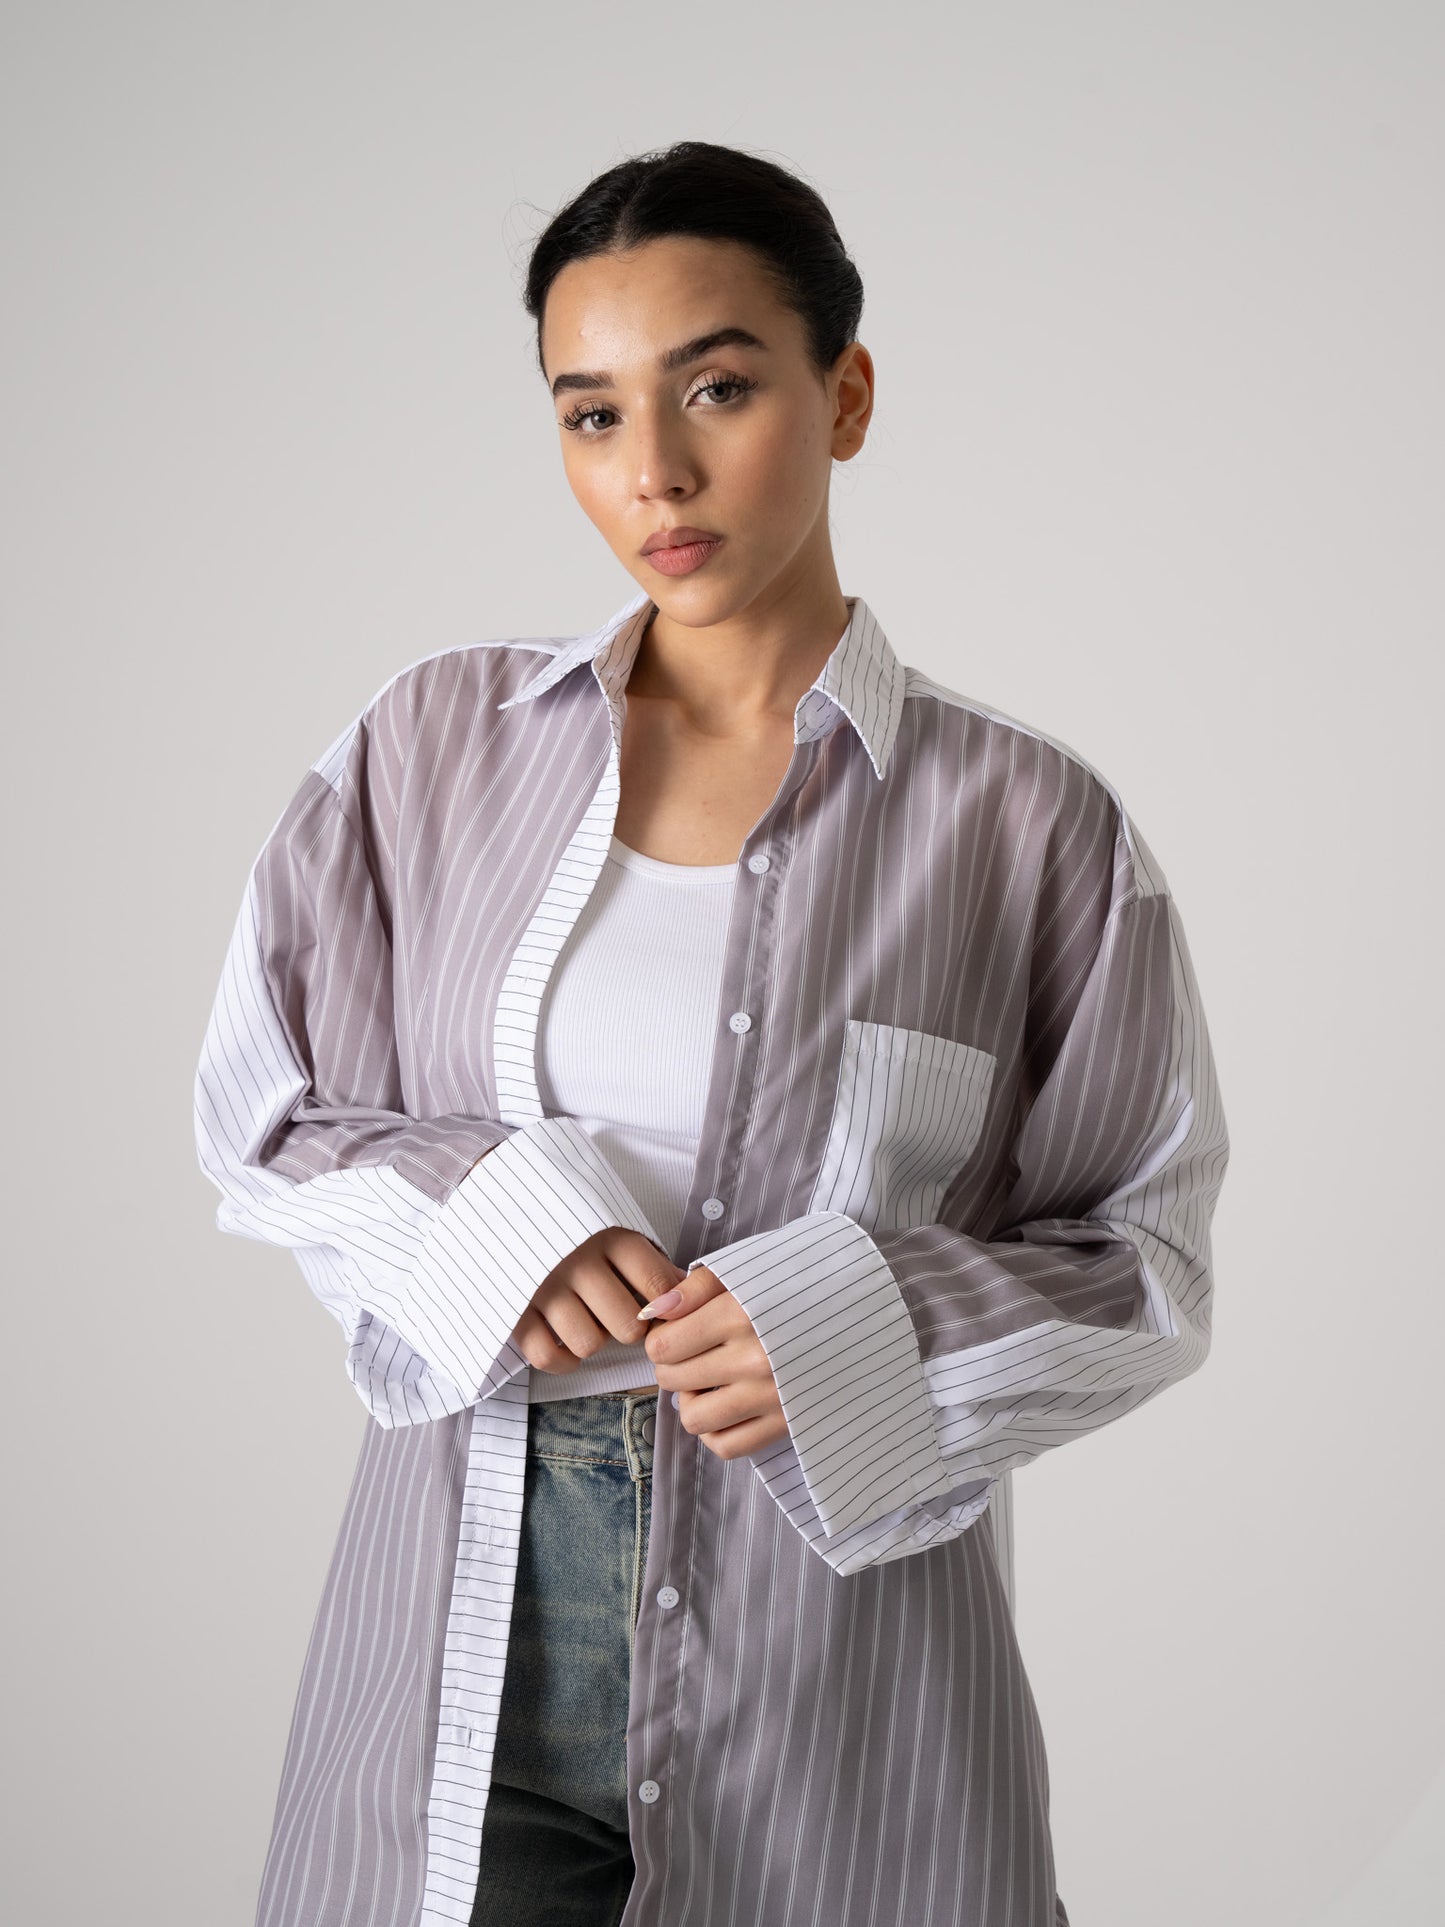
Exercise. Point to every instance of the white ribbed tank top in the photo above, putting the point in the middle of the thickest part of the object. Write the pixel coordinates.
(624, 1045)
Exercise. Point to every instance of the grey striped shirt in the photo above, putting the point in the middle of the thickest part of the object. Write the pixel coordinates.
(961, 1144)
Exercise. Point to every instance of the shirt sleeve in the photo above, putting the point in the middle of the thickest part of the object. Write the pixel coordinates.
(917, 1367)
(426, 1237)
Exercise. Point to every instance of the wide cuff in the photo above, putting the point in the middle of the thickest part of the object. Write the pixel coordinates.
(838, 1335)
(513, 1218)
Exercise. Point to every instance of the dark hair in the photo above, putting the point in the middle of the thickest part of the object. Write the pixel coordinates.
(719, 194)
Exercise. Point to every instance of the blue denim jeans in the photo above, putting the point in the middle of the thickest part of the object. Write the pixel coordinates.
(555, 1847)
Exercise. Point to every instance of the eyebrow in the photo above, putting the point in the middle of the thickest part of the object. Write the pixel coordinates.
(670, 360)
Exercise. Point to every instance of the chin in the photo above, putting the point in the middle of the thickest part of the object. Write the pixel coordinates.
(690, 600)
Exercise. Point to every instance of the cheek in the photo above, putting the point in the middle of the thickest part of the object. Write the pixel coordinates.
(585, 480)
(783, 472)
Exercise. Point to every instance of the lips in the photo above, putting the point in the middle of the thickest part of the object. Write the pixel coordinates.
(683, 557)
(678, 538)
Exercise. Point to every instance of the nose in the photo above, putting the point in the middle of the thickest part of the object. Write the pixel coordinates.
(661, 464)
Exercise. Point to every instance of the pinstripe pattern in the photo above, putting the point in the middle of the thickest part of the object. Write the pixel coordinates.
(959, 1151)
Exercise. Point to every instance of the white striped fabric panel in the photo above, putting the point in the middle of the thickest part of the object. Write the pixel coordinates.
(475, 1649)
(846, 1363)
(394, 1382)
(887, 1536)
(519, 1001)
(512, 1220)
(907, 1115)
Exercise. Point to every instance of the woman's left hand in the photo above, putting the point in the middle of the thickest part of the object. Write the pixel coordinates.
(706, 1350)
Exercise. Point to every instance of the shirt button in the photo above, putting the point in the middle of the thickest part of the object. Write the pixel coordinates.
(649, 1790)
(713, 1207)
(676, 1398)
(740, 1020)
(668, 1596)
(757, 863)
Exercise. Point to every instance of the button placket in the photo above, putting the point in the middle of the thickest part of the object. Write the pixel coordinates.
(754, 916)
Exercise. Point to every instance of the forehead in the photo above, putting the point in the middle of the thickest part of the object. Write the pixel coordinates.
(621, 310)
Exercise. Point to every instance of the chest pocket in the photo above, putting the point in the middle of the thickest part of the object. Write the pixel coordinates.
(907, 1116)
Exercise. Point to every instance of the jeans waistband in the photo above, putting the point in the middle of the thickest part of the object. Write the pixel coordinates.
(606, 1428)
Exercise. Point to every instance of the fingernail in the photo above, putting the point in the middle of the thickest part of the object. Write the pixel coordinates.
(669, 1301)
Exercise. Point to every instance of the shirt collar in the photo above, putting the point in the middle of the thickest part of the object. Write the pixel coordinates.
(862, 679)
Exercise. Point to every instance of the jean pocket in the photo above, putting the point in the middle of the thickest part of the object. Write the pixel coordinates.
(907, 1117)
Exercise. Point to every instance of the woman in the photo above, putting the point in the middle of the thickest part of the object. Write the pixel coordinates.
(740, 1099)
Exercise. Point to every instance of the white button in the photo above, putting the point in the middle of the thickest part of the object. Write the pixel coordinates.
(649, 1790)
(676, 1398)
(757, 863)
(713, 1207)
(668, 1596)
(740, 1020)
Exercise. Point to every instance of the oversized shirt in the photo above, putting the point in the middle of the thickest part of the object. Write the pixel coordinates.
(961, 1145)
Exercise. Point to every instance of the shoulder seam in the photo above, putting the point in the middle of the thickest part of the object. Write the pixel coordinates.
(332, 759)
(1148, 880)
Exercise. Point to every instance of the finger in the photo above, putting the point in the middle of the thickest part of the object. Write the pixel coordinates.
(537, 1343)
(589, 1302)
(699, 1332)
(642, 1265)
(694, 1289)
(613, 1304)
(568, 1314)
(609, 1295)
(746, 1440)
(724, 1364)
(718, 1407)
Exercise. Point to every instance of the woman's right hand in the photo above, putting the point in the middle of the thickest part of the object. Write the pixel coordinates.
(594, 1295)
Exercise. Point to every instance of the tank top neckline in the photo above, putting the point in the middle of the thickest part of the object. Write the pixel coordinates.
(629, 859)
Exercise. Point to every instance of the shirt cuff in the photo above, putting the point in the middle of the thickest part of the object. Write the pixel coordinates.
(519, 1211)
(841, 1342)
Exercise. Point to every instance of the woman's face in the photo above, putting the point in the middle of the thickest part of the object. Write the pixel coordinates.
(737, 438)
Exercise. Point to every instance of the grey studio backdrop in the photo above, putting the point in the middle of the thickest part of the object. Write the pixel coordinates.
(1154, 294)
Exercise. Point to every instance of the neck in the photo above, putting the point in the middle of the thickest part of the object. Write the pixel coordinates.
(744, 672)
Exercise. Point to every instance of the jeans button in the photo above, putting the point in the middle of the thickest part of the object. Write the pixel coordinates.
(648, 1428)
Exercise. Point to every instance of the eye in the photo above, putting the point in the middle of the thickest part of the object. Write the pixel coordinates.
(733, 385)
(575, 417)
(738, 383)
